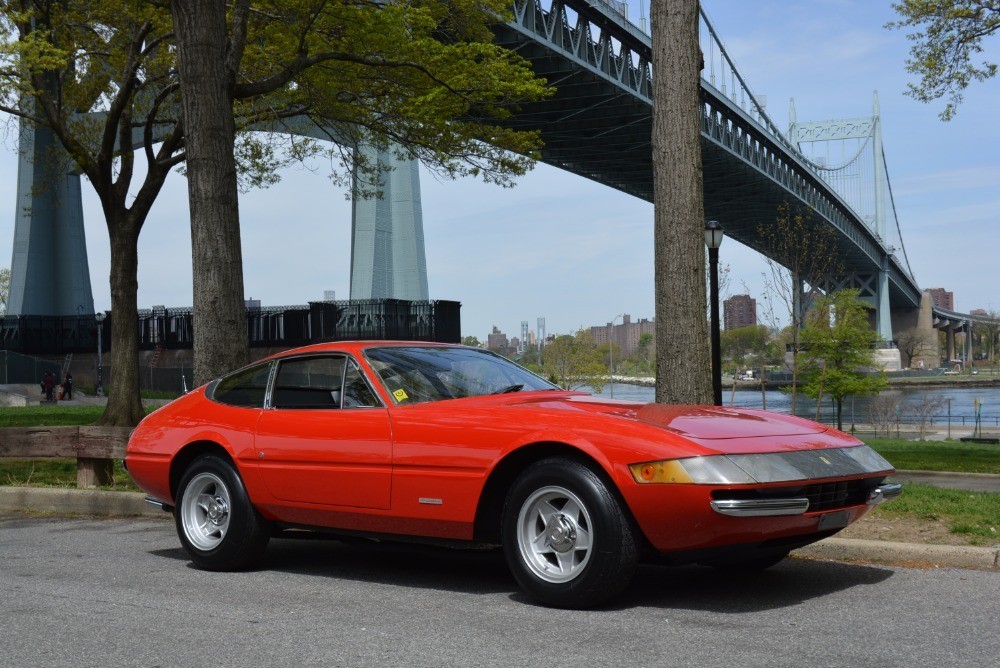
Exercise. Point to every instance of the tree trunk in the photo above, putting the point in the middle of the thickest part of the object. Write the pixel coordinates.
(840, 414)
(124, 408)
(683, 370)
(220, 331)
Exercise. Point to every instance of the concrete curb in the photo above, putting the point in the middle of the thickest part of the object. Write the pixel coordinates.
(904, 554)
(132, 504)
(78, 501)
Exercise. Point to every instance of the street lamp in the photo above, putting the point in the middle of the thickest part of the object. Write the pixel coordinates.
(713, 239)
(611, 350)
(99, 317)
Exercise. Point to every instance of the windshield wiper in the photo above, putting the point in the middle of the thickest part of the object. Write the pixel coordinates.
(509, 388)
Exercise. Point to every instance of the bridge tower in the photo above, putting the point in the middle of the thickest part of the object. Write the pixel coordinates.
(49, 274)
(49, 269)
(387, 238)
(869, 199)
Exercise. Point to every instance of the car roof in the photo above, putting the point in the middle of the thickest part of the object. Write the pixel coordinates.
(357, 346)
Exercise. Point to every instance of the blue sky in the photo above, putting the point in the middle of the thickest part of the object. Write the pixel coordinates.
(578, 253)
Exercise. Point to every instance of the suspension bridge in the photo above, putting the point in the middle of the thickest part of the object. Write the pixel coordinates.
(597, 125)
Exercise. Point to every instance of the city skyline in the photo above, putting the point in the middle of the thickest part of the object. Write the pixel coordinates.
(578, 253)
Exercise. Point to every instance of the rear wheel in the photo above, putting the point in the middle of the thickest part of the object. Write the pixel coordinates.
(217, 524)
(566, 538)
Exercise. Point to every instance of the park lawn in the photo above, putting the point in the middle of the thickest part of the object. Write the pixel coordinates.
(49, 416)
(938, 455)
(52, 416)
(974, 515)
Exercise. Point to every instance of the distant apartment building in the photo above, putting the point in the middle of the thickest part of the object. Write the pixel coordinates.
(979, 311)
(943, 298)
(739, 311)
(497, 340)
(625, 335)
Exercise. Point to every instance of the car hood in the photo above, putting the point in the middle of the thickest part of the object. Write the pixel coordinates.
(700, 423)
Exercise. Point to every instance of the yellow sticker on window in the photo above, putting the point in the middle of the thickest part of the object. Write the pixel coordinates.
(400, 395)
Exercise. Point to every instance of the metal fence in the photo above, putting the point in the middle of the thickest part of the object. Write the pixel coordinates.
(16, 368)
(271, 326)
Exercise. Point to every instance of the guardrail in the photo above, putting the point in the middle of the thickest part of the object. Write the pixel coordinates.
(95, 448)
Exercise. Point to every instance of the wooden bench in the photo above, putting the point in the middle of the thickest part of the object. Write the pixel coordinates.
(95, 448)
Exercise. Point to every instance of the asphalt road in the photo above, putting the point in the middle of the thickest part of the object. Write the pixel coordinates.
(84, 592)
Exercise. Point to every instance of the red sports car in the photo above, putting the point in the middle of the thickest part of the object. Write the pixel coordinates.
(455, 444)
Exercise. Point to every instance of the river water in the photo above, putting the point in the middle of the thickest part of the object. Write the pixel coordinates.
(961, 401)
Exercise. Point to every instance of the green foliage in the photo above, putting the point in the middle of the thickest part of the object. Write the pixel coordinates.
(574, 361)
(947, 42)
(425, 75)
(838, 353)
(4, 289)
(747, 345)
(470, 341)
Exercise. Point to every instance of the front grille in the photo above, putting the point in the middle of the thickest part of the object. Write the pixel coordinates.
(822, 496)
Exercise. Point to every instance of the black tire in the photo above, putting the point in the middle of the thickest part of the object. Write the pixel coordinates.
(584, 553)
(217, 524)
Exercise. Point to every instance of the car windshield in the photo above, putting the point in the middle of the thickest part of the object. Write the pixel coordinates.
(418, 374)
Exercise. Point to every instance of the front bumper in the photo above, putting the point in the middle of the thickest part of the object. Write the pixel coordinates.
(792, 506)
(685, 517)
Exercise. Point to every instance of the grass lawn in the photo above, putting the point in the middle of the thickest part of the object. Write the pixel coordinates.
(51, 416)
(938, 455)
(976, 515)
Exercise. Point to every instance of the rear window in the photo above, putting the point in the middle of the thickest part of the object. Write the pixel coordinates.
(244, 388)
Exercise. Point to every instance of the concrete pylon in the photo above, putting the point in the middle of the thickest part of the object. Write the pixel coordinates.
(387, 244)
(49, 273)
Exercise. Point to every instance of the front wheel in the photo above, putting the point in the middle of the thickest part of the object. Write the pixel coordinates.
(566, 538)
(218, 526)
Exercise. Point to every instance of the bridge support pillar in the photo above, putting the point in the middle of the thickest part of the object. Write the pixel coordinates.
(49, 274)
(387, 242)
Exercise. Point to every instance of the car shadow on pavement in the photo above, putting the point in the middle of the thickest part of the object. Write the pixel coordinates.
(480, 572)
(789, 583)
(401, 564)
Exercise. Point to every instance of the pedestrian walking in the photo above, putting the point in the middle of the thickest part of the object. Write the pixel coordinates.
(49, 384)
(68, 387)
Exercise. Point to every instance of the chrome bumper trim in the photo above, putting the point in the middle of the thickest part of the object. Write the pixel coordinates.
(883, 493)
(760, 507)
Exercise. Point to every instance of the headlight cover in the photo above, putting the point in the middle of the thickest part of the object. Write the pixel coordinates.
(762, 468)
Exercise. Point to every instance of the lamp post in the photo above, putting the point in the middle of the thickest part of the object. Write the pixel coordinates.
(611, 351)
(99, 317)
(713, 239)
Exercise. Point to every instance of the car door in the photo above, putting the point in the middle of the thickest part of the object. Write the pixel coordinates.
(324, 437)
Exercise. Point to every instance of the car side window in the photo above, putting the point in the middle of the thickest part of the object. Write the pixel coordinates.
(357, 393)
(309, 382)
(245, 388)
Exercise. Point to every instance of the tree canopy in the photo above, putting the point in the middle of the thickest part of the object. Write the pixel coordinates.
(423, 77)
(839, 350)
(947, 38)
(798, 251)
(575, 361)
